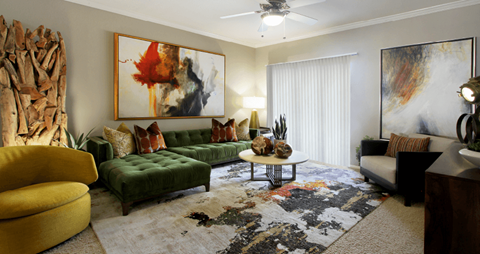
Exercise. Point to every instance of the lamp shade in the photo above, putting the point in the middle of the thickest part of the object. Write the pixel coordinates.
(470, 91)
(273, 18)
(467, 94)
(254, 102)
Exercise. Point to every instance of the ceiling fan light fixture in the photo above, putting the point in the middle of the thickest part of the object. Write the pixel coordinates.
(273, 18)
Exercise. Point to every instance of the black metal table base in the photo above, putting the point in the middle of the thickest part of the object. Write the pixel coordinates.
(274, 174)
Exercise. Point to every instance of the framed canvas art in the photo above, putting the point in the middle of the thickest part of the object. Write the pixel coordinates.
(419, 85)
(157, 80)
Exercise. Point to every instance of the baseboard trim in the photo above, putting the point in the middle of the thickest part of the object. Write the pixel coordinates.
(354, 167)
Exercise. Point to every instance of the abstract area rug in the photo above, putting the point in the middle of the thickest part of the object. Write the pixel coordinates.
(239, 215)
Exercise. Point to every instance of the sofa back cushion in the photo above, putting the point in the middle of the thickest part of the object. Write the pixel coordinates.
(223, 132)
(406, 144)
(122, 140)
(187, 137)
(242, 129)
(149, 140)
(437, 144)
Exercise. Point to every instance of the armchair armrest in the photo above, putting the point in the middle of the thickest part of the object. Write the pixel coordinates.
(101, 149)
(21, 166)
(411, 168)
(373, 147)
(70, 165)
(254, 133)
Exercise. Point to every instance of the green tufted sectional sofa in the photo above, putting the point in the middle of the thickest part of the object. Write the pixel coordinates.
(186, 163)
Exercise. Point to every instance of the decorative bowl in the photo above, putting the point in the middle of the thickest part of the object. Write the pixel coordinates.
(262, 146)
(471, 156)
(283, 150)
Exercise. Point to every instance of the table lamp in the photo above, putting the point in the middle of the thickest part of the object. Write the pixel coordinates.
(254, 103)
(470, 91)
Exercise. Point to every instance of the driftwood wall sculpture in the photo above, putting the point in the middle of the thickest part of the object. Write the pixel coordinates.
(33, 84)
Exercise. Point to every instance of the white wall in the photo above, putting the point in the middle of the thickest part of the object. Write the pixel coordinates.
(365, 67)
(89, 38)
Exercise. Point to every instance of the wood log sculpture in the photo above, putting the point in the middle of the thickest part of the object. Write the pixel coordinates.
(32, 85)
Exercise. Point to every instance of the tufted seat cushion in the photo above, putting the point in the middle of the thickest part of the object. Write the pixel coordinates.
(136, 177)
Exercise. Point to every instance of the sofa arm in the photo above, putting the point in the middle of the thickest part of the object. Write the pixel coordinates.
(411, 168)
(100, 149)
(254, 133)
(373, 147)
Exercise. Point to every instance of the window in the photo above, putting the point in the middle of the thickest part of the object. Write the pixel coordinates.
(314, 95)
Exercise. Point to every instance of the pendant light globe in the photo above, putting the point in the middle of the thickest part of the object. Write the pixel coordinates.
(273, 18)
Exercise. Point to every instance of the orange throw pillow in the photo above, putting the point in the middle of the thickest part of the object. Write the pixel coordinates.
(405, 144)
(223, 132)
(149, 140)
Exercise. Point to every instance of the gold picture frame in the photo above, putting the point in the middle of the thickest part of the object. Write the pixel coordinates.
(158, 80)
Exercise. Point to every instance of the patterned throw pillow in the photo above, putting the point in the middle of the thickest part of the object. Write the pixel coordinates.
(223, 132)
(122, 140)
(405, 144)
(149, 140)
(242, 129)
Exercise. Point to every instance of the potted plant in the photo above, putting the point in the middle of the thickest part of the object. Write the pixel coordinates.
(474, 146)
(279, 130)
(76, 143)
(472, 153)
(359, 147)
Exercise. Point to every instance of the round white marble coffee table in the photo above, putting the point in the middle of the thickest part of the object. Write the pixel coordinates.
(274, 165)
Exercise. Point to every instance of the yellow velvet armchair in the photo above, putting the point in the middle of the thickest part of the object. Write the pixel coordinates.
(44, 197)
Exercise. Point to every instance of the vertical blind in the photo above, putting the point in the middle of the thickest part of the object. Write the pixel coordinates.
(314, 95)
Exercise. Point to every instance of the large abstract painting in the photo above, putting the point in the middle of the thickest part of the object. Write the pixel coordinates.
(155, 80)
(419, 87)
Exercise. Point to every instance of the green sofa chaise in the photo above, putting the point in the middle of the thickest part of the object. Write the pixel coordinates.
(186, 163)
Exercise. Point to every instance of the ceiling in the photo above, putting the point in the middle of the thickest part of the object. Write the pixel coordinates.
(203, 16)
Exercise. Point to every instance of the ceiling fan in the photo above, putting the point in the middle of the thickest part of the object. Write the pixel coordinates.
(275, 11)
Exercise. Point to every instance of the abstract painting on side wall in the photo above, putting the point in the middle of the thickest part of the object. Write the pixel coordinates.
(155, 80)
(419, 87)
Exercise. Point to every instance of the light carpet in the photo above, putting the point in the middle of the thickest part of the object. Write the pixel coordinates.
(239, 215)
(391, 228)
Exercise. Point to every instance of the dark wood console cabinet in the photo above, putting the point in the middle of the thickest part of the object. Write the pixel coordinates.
(452, 205)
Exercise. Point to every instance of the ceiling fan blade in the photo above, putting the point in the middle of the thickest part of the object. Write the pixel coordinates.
(301, 18)
(240, 14)
(300, 3)
(262, 28)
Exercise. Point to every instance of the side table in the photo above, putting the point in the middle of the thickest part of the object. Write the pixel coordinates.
(274, 165)
(452, 204)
